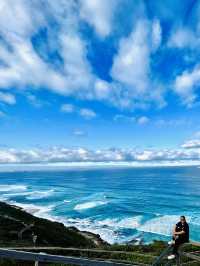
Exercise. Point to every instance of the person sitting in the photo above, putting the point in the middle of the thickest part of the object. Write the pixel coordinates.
(180, 236)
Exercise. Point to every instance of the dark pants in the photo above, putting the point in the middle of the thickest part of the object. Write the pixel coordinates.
(178, 242)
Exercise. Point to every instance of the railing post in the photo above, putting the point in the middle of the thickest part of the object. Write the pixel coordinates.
(162, 255)
(178, 260)
(36, 263)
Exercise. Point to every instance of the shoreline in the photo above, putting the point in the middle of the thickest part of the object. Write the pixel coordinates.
(14, 217)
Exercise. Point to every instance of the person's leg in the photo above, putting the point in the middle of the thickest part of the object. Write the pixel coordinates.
(176, 246)
(172, 241)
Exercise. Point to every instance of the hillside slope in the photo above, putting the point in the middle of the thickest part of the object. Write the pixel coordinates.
(18, 227)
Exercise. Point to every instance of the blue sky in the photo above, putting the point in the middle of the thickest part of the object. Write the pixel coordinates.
(100, 75)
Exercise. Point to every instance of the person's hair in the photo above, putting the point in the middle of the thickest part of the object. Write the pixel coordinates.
(183, 217)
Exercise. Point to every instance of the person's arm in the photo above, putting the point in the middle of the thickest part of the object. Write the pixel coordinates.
(180, 233)
(174, 230)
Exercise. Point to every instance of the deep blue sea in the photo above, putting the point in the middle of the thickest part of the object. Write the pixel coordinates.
(120, 204)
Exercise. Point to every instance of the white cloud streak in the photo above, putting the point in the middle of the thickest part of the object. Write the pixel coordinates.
(24, 67)
(86, 113)
(59, 154)
(99, 14)
(67, 108)
(192, 144)
(143, 120)
(156, 34)
(7, 98)
(186, 84)
(131, 68)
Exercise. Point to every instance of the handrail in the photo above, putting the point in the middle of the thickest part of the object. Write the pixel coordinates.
(162, 255)
(190, 255)
(31, 256)
(181, 253)
(93, 250)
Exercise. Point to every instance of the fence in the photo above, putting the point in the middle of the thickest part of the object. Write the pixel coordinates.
(42, 257)
(178, 260)
(38, 257)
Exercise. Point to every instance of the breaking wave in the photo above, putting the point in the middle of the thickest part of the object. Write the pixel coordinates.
(7, 188)
(89, 205)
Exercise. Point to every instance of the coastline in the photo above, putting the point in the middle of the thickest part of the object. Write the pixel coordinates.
(15, 219)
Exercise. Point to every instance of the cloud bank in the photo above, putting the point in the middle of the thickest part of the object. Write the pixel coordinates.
(62, 154)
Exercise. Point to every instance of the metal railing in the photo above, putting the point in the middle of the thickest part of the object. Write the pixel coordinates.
(17, 254)
(38, 257)
(161, 260)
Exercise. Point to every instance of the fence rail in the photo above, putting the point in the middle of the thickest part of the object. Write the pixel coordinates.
(20, 254)
(38, 257)
(40, 249)
(182, 254)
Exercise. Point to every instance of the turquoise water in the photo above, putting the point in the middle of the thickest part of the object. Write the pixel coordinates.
(118, 203)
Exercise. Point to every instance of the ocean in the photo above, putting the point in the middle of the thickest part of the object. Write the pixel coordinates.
(118, 203)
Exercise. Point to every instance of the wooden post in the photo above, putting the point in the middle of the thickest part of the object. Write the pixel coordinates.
(178, 260)
(36, 263)
(163, 254)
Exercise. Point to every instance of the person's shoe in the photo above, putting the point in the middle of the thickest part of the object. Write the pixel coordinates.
(171, 257)
(171, 242)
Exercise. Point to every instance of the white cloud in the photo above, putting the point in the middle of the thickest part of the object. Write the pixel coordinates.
(67, 108)
(2, 114)
(87, 113)
(183, 38)
(143, 120)
(24, 66)
(131, 65)
(131, 119)
(99, 14)
(78, 76)
(156, 34)
(192, 144)
(7, 98)
(79, 133)
(62, 154)
(172, 122)
(133, 85)
(125, 118)
(103, 90)
(186, 84)
(35, 101)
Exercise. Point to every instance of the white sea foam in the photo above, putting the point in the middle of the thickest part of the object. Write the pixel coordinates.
(40, 194)
(106, 233)
(6, 188)
(129, 222)
(66, 201)
(195, 220)
(30, 195)
(108, 229)
(162, 225)
(37, 210)
(89, 205)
